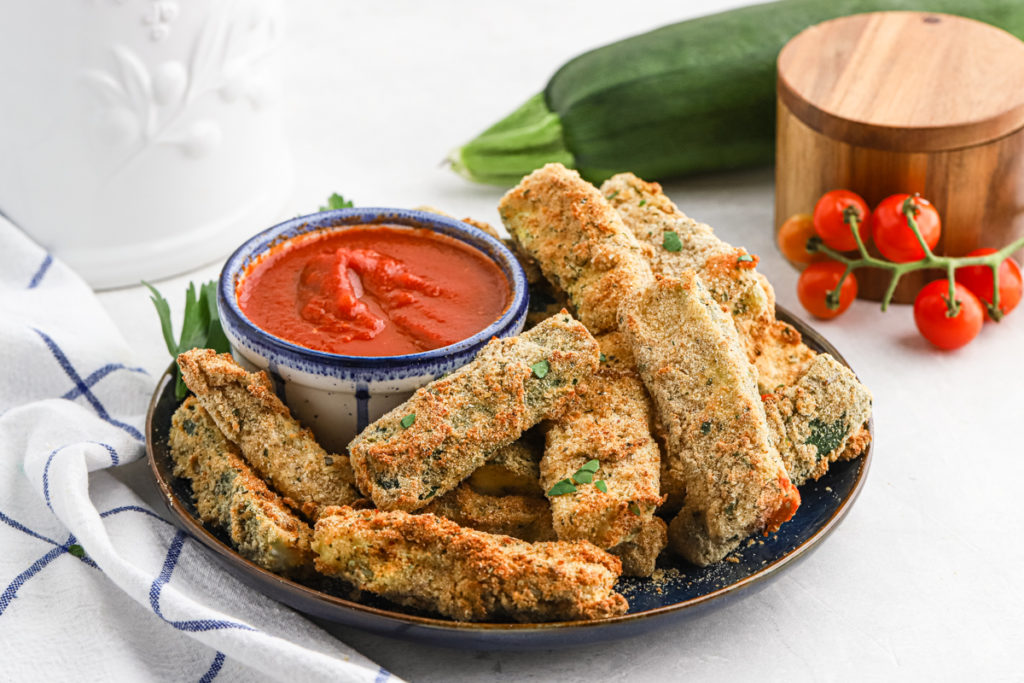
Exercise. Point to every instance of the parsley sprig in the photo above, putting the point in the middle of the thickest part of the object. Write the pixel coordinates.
(200, 327)
(584, 475)
(336, 201)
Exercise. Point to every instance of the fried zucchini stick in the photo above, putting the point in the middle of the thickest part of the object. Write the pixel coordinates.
(433, 441)
(640, 554)
(276, 446)
(611, 423)
(705, 392)
(432, 563)
(819, 419)
(229, 495)
(578, 240)
(775, 348)
(523, 517)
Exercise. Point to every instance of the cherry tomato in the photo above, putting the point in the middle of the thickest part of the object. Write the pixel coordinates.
(892, 233)
(817, 280)
(930, 314)
(792, 240)
(829, 220)
(978, 279)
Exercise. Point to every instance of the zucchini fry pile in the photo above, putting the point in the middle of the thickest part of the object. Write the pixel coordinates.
(670, 411)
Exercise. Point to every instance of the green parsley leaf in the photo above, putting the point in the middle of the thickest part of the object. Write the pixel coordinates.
(603, 358)
(336, 201)
(200, 325)
(634, 508)
(408, 420)
(613, 195)
(745, 257)
(561, 488)
(671, 241)
(642, 202)
(540, 369)
(591, 465)
(601, 486)
(583, 477)
(76, 550)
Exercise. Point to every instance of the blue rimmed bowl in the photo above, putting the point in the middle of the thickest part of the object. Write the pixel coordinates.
(337, 395)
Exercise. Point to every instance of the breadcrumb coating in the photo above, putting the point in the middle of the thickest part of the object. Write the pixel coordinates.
(705, 391)
(774, 347)
(280, 450)
(432, 563)
(610, 423)
(813, 421)
(523, 517)
(578, 240)
(458, 421)
(227, 494)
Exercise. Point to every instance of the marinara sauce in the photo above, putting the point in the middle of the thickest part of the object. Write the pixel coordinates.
(373, 290)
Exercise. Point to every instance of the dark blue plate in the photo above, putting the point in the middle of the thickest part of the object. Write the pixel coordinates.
(684, 590)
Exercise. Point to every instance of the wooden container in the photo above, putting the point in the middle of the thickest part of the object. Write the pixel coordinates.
(893, 102)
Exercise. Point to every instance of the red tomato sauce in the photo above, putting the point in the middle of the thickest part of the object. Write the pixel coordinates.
(373, 290)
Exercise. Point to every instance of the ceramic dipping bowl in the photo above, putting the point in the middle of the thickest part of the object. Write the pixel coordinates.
(337, 395)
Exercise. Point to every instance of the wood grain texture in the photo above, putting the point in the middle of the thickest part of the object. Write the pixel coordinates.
(977, 188)
(909, 81)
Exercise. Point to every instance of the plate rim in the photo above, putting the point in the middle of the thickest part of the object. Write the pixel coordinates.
(197, 530)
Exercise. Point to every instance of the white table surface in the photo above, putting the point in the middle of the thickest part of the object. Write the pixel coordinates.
(922, 580)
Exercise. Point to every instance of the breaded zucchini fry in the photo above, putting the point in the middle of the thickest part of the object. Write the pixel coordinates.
(640, 554)
(578, 240)
(432, 563)
(612, 424)
(229, 495)
(433, 441)
(814, 421)
(691, 360)
(276, 446)
(774, 347)
(524, 517)
(512, 470)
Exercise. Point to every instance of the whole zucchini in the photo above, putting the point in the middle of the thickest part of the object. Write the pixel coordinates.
(694, 96)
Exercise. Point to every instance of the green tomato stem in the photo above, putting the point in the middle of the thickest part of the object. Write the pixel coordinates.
(898, 270)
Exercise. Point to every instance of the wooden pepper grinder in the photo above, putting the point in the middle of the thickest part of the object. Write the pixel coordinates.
(892, 102)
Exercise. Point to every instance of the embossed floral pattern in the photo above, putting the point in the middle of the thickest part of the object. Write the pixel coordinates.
(141, 106)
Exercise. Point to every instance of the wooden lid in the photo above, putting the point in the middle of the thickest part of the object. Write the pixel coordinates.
(905, 81)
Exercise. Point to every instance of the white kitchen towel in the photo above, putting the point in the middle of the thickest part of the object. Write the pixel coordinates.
(95, 585)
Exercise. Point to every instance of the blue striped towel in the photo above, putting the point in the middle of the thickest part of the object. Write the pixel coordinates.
(95, 585)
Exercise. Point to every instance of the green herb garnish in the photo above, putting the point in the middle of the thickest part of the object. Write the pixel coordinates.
(744, 257)
(601, 486)
(591, 466)
(671, 241)
(583, 476)
(613, 195)
(200, 327)
(602, 358)
(76, 550)
(408, 420)
(336, 201)
(561, 488)
(634, 508)
(540, 369)
(642, 202)
(705, 427)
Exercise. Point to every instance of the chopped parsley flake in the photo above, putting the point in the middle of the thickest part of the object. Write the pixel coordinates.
(634, 508)
(601, 486)
(540, 369)
(408, 420)
(583, 477)
(745, 257)
(561, 488)
(613, 195)
(591, 465)
(602, 358)
(671, 241)
(642, 202)
(76, 550)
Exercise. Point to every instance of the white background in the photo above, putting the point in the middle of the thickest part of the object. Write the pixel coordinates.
(922, 580)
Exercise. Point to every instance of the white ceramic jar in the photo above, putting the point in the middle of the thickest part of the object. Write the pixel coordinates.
(140, 138)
